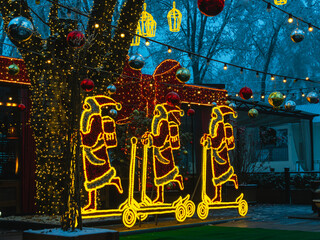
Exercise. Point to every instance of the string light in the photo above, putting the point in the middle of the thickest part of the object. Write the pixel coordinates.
(241, 71)
(257, 74)
(269, 7)
(290, 19)
(272, 78)
(122, 35)
(147, 43)
(225, 67)
(307, 78)
(208, 61)
(169, 50)
(96, 25)
(284, 80)
(310, 28)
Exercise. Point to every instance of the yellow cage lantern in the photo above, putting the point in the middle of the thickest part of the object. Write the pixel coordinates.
(174, 19)
(280, 2)
(136, 38)
(147, 23)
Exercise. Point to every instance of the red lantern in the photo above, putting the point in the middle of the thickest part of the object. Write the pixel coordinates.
(191, 112)
(245, 93)
(87, 85)
(210, 8)
(21, 106)
(76, 39)
(173, 98)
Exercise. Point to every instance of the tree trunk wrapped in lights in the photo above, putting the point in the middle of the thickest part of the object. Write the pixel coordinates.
(56, 70)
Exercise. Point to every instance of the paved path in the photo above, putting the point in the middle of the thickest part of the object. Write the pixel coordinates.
(260, 216)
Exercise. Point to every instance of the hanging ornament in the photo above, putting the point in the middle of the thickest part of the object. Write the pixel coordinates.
(136, 61)
(87, 85)
(245, 93)
(210, 8)
(191, 112)
(13, 69)
(183, 75)
(275, 99)
(253, 113)
(172, 98)
(290, 105)
(21, 106)
(169, 186)
(76, 39)
(174, 19)
(147, 24)
(313, 97)
(280, 2)
(111, 89)
(214, 104)
(185, 152)
(227, 102)
(233, 105)
(113, 113)
(20, 29)
(297, 35)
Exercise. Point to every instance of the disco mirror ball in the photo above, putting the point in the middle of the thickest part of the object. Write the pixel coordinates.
(290, 105)
(297, 35)
(313, 97)
(136, 61)
(20, 29)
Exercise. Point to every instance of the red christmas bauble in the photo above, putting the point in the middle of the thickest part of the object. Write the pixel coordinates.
(21, 106)
(87, 85)
(172, 98)
(245, 93)
(191, 112)
(76, 39)
(210, 8)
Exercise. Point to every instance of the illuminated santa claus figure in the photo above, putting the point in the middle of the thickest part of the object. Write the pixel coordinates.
(220, 140)
(164, 138)
(98, 134)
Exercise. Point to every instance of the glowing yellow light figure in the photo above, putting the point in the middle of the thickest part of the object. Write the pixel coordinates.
(136, 39)
(219, 140)
(147, 24)
(280, 2)
(174, 19)
(98, 134)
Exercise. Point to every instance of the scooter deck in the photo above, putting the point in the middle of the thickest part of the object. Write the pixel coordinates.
(102, 213)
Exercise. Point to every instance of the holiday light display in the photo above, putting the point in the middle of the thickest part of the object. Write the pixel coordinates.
(280, 2)
(147, 24)
(98, 134)
(219, 141)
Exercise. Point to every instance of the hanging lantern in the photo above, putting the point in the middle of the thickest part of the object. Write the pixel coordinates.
(13, 69)
(136, 38)
(245, 93)
(280, 2)
(20, 29)
(174, 19)
(275, 99)
(111, 89)
(136, 61)
(172, 98)
(290, 105)
(313, 97)
(253, 113)
(183, 75)
(147, 24)
(191, 112)
(297, 35)
(76, 39)
(210, 8)
(87, 85)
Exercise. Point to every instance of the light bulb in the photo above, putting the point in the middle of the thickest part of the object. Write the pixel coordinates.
(290, 19)
(225, 67)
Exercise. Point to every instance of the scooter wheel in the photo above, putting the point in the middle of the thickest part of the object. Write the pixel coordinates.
(129, 217)
(142, 216)
(203, 210)
(181, 213)
(191, 208)
(243, 208)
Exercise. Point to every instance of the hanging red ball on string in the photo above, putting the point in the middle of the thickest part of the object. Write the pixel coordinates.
(210, 8)
(76, 39)
(191, 112)
(245, 93)
(21, 107)
(87, 85)
(173, 98)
